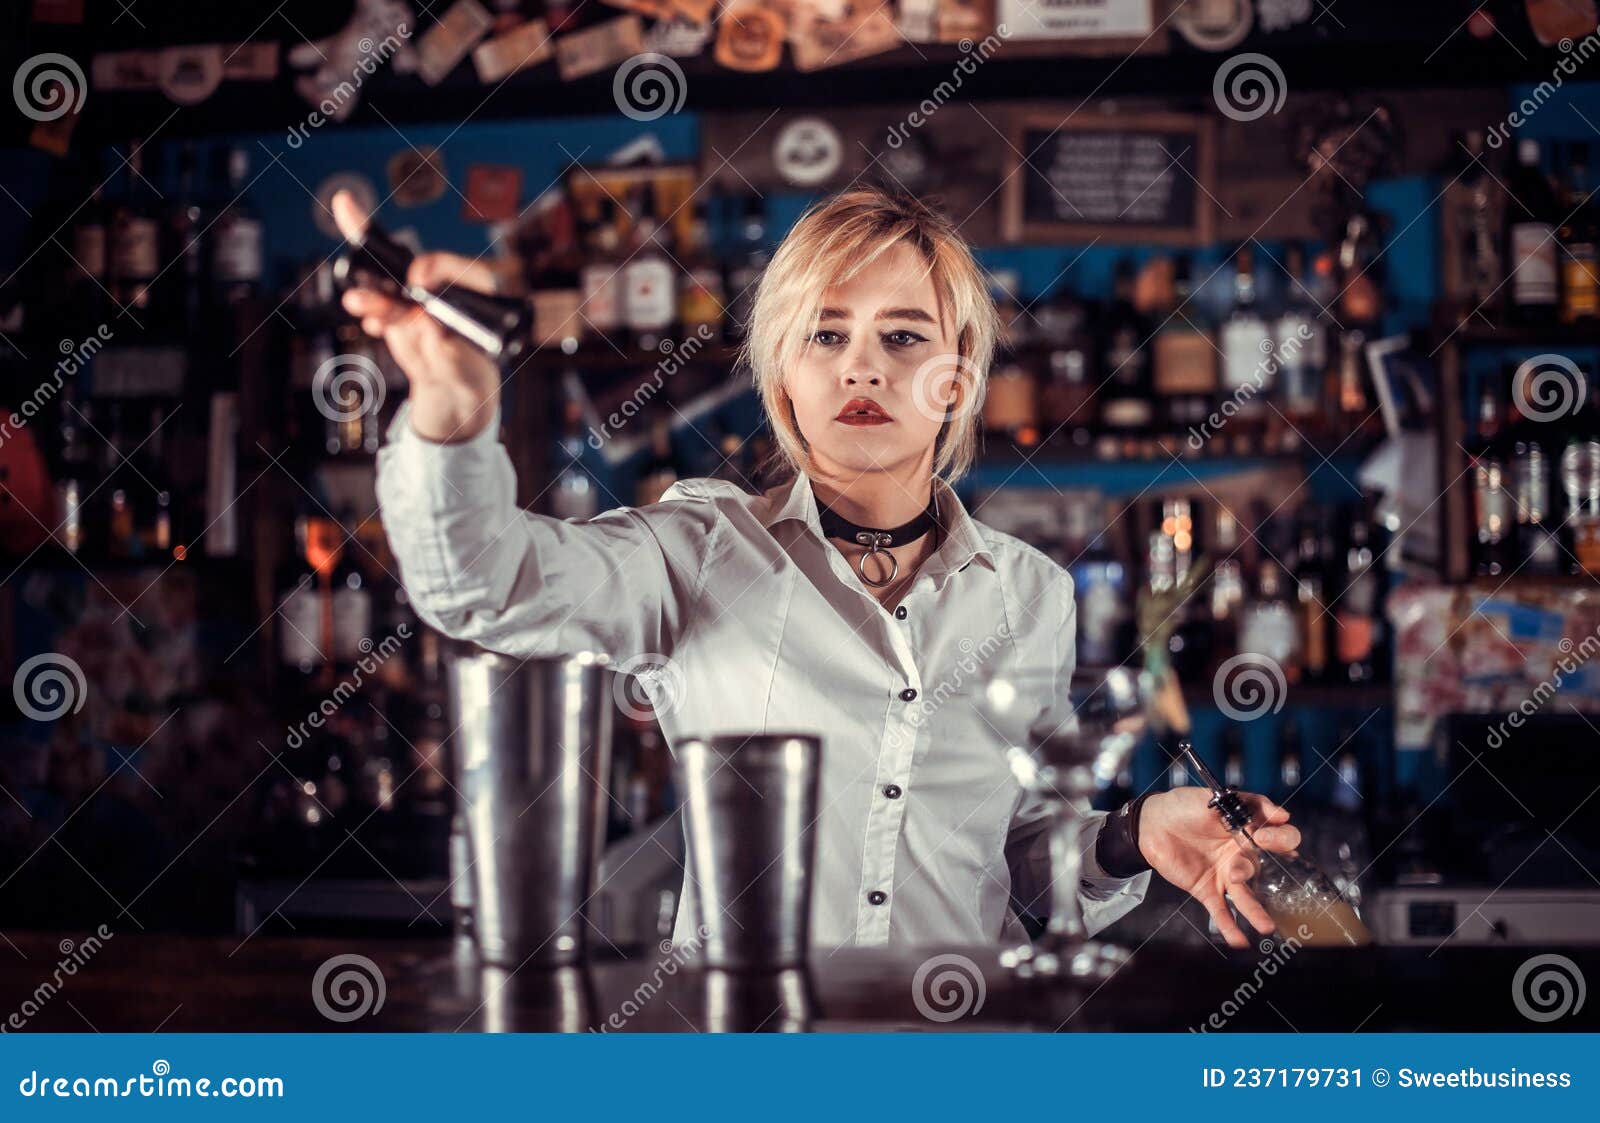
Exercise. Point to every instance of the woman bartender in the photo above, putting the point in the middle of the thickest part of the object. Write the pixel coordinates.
(870, 340)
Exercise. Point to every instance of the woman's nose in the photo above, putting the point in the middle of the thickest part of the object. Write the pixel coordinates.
(858, 369)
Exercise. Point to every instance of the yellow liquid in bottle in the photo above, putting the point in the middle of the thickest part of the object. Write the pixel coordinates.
(1326, 925)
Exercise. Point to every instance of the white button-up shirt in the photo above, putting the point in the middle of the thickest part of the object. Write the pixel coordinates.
(765, 625)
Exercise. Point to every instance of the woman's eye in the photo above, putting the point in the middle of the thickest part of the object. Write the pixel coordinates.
(904, 338)
(833, 337)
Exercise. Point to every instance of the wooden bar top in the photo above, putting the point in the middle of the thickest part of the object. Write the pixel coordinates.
(139, 982)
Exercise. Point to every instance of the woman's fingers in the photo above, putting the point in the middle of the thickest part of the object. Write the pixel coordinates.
(1264, 810)
(436, 270)
(1250, 908)
(369, 302)
(348, 215)
(1217, 906)
(1284, 839)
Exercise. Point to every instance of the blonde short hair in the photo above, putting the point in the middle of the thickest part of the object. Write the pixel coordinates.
(833, 240)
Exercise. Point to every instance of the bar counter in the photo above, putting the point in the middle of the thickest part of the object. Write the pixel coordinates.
(140, 982)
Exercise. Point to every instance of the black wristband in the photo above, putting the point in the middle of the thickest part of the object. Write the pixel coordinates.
(1117, 848)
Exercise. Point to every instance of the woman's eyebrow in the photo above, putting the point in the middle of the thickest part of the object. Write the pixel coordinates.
(916, 314)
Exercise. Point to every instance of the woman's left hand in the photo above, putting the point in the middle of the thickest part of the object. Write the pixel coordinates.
(1181, 836)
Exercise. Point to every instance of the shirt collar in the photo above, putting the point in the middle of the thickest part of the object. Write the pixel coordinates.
(963, 542)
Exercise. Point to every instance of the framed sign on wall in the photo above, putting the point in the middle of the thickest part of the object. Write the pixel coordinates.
(1136, 177)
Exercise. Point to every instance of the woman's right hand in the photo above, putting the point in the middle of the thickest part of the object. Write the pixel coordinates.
(454, 386)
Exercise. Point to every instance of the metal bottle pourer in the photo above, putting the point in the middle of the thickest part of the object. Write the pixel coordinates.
(499, 326)
(1224, 798)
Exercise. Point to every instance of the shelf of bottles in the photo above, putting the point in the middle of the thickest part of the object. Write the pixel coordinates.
(177, 451)
(1519, 347)
(1300, 589)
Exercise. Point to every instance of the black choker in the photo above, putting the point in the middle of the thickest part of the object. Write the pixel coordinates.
(835, 525)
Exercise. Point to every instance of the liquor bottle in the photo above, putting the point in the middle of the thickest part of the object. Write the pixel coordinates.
(352, 606)
(1347, 845)
(114, 515)
(351, 425)
(153, 513)
(661, 471)
(1067, 399)
(1185, 360)
(1126, 411)
(1304, 903)
(744, 270)
(1580, 480)
(1267, 624)
(1011, 403)
(1246, 342)
(701, 301)
(1227, 587)
(1189, 646)
(1100, 584)
(1299, 344)
(1579, 241)
(1311, 594)
(1471, 212)
(89, 277)
(574, 494)
(299, 615)
(134, 246)
(1538, 549)
(649, 280)
(1532, 213)
(72, 472)
(185, 228)
(1358, 616)
(1491, 504)
(600, 277)
(1360, 272)
(1355, 410)
(236, 237)
(1015, 324)
(1232, 756)
(1291, 766)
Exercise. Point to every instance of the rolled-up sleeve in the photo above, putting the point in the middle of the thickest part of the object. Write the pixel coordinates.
(1103, 898)
(479, 568)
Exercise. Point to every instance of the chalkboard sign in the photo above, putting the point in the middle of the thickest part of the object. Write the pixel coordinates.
(1132, 178)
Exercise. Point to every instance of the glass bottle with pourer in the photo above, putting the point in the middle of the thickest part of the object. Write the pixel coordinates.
(1302, 901)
